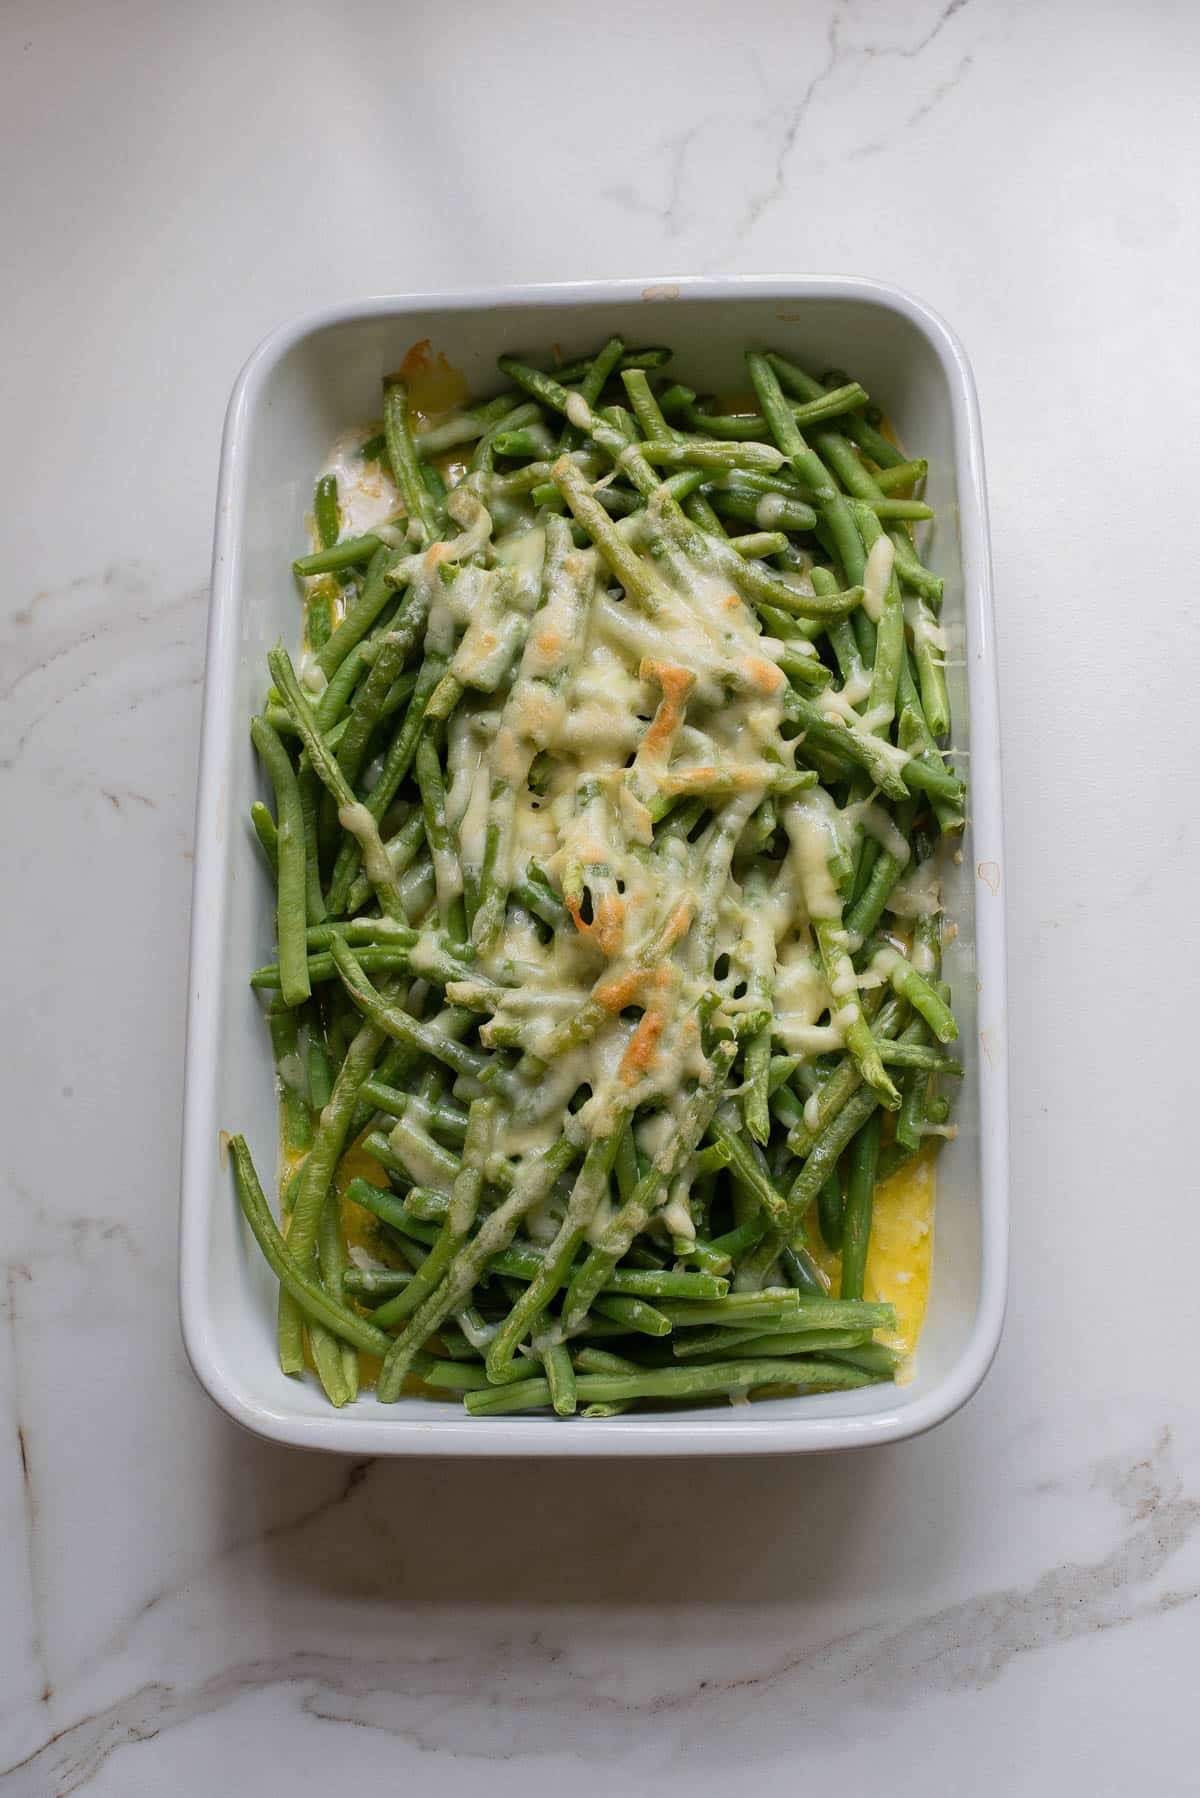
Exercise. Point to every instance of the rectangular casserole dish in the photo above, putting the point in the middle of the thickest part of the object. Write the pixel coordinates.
(304, 385)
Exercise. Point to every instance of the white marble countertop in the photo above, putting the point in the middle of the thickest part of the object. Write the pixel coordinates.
(1009, 1603)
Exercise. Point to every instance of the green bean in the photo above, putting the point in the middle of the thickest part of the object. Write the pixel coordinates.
(911, 1116)
(675, 399)
(320, 1074)
(911, 985)
(841, 456)
(676, 533)
(800, 1269)
(715, 1340)
(833, 1342)
(747, 1167)
(869, 1357)
(700, 452)
(316, 1175)
(360, 616)
(830, 404)
(903, 474)
(710, 1381)
(887, 507)
(332, 1260)
(917, 1055)
(736, 1308)
(446, 866)
(645, 407)
(371, 1286)
(859, 480)
(833, 509)
(594, 1360)
(761, 544)
(889, 637)
(864, 914)
(526, 1263)
(850, 746)
(587, 1281)
(539, 897)
(332, 776)
(615, 500)
(464, 1203)
(383, 1203)
(533, 441)
(515, 418)
(872, 441)
(310, 1299)
(394, 1021)
(517, 1395)
(268, 837)
(876, 758)
(541, 676)
(639, 579)
(560, 1378)
(831, 1211)
(755, 1106)
(290, 911)
(767, 510)
(581, 1206)
(318, 620)
(464, 427)
(343, 895)
(403, 457)
(397, 642)
(326, 512)
(845, 1079)
(289, 1071)
(839, 972)
(827, 1150)
(860, 1195)
(310, 798)
(637, 1314)
(654, 356)
(529, 1187)
(919, 740)
(453, 1376)
(592, 384)
(351, 552)
(448, 1119)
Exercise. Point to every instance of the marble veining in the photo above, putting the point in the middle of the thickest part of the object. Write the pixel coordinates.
(841, 110)
(1007, 1604)
(443, 1703)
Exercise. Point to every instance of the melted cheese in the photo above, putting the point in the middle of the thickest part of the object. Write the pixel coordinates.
(590, 712)
(899, 1256)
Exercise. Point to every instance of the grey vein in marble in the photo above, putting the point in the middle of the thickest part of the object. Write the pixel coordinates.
(445, 1703)
(671, 214)
(63, 643)
(15, 1276)
(840, 55)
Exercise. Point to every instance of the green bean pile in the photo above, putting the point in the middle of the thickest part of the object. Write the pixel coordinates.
(608, 804)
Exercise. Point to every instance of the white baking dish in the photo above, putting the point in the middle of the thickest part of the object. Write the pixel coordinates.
(304, 385)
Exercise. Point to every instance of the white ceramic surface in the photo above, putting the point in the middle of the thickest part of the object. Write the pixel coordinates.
(1008, 1604)
(304, 385)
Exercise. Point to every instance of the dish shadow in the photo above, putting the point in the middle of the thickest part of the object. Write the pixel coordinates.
(760, 1530)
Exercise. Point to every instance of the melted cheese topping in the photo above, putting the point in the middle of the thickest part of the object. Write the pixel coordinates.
(594, 709)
